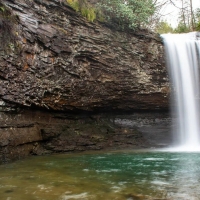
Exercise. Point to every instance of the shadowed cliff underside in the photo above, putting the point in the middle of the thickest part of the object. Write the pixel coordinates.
(38, 132)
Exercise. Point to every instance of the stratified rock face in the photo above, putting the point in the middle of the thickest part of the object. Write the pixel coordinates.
(37, 132)
(62, 62)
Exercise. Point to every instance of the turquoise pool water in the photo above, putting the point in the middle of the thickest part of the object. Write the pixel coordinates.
(129, 175)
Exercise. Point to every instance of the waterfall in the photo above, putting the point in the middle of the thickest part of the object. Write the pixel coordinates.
(182, 53)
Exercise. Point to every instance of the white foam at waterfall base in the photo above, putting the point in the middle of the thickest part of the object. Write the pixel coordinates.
(182, 52)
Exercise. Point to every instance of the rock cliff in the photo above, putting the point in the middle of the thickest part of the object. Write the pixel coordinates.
(56, 60)
(60, 61)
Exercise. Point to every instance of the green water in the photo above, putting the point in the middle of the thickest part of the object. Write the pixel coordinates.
(103, 176)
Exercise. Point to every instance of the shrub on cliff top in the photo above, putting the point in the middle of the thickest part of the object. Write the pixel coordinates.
(86, 9)
(128, 13)
(122, 13)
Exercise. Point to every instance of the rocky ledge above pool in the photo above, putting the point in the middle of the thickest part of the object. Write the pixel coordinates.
(31, 132)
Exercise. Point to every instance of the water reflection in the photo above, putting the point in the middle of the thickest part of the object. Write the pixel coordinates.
(122, 175)
(186, 177)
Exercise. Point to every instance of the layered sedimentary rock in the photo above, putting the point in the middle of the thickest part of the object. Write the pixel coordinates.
(63, 62)
(37, 132)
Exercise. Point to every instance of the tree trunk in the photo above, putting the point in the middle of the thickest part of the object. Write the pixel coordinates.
(192, 16)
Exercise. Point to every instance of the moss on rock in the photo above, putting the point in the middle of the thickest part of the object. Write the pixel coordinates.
(8, 21)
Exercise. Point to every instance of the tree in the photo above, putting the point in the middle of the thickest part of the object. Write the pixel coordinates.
(164, 27)
(186, 19)
(181, 28)
(197, 19)
(192, 16)
(128, 13)
(157, 16)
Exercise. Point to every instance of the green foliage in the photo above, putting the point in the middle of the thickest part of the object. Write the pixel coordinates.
(7, 23)
(185, 24)
(181, 28)
(89, 13)
(197, 19)
(74, 4)
(100, 15)
(82, 6)
(164, 27)
(128, 14)
(198, 26)
(2, 8)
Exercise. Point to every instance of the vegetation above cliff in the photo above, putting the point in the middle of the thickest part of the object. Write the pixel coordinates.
(129, 14)
(132, 14)
(85, 8)
(188, 18)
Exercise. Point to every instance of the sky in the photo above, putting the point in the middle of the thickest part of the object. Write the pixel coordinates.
(172, 17)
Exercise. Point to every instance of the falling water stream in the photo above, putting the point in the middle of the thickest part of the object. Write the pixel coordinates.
(182, 52)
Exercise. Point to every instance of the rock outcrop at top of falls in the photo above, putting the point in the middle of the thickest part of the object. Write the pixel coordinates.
(63, 62)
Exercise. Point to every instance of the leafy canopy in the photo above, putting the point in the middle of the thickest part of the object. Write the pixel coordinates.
(128, 13)
(164, 27)
(123, 13)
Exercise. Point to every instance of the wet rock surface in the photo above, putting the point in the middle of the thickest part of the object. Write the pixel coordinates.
(37, 132)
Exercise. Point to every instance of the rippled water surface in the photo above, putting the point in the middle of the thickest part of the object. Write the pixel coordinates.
(109, 176)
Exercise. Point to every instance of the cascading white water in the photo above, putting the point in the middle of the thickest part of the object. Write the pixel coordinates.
(182, 52)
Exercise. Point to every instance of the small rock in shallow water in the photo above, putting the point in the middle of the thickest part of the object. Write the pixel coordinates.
(67, 196)
(9, 191)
